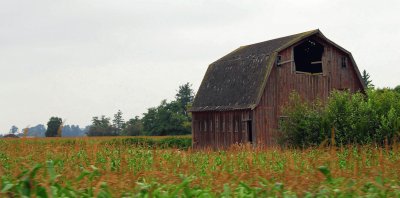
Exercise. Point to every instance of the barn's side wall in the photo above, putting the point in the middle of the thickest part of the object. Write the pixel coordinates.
(284, 79)
(219, 129)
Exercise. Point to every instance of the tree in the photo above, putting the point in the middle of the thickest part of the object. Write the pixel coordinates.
(14, 129)
(37, 131)
(54, 126)
(166, 119)
(185, 96)
(101, 127)
(366, 78)
(133, 127)
(170, 118)
(72, 131)
(150, 120)
(397, 89)
(118, 122)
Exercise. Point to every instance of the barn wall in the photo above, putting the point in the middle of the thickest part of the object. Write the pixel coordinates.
(283, 80)
(218, 129)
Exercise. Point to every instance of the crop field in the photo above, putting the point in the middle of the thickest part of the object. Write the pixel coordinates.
(167, 167)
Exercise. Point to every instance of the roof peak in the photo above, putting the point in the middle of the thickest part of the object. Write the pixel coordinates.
(310, 32)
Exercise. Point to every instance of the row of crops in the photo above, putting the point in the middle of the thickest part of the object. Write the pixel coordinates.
(167, 167)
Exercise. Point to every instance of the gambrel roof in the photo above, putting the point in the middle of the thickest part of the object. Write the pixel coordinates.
(237, 80)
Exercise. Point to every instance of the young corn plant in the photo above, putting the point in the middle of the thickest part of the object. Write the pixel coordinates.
(26, 185)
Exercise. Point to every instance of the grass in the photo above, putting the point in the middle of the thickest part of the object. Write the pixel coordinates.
(115, 167)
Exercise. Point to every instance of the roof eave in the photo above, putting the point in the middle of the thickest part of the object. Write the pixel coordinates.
(218, 108)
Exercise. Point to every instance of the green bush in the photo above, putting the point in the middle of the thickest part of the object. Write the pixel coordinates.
(350, 116)
(173, 142)
(355, 118)
(304, 125)
(386, 106)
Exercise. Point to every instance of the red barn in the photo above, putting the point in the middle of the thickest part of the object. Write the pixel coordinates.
(241, 96)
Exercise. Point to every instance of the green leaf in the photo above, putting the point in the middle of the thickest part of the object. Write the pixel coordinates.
(41, 192)
(327, 173)
(379, 180)
(7, 187)
(82, 175)
(227, 191)
(34, 170)
(51, 171)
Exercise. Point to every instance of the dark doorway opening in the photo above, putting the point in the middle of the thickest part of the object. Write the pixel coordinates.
(249, 131)
(308, 57)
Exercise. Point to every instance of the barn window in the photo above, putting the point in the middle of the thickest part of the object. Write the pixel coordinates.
(278, 60)
(344, 61)
(308, 57)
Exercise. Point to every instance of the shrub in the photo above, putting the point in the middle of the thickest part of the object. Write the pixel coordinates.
(304, 125)
(355, 118)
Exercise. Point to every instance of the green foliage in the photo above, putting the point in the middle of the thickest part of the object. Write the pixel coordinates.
(366, 78)
(79, 167)
(185, 97)
(101, 127)
(166, 119)
(26, 185)
(133, 127)
(170, 118)
(386, 106)
(53, 127)
(118, 122)
(355, 118)
(397, 89)
(349, 115)
(304, 124)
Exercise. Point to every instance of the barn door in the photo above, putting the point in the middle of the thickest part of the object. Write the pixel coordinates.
(249, 131)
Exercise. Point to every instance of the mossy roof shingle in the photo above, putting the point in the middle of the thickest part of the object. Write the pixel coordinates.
(235, 80)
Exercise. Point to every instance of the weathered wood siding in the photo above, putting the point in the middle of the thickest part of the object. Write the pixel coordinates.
(219, 129)
(283, 80)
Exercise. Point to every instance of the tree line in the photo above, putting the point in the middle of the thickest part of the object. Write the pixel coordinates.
(40, 130)
(168, 118)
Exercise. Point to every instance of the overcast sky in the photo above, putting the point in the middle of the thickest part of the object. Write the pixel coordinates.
(81, 58)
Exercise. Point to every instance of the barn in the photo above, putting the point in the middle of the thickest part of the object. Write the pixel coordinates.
(241, 96)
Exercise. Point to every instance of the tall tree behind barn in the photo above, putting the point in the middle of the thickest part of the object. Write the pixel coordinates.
(241, 96)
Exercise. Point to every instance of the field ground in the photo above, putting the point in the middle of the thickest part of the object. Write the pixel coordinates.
(109, 166)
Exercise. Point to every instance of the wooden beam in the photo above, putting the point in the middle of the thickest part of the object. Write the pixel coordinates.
(284, 62)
